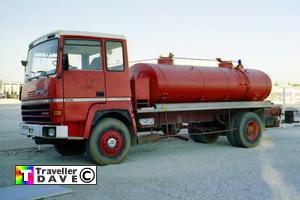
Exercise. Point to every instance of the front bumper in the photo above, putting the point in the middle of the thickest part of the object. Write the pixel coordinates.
(41, 131)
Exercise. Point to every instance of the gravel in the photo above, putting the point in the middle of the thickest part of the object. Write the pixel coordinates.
(174, 169)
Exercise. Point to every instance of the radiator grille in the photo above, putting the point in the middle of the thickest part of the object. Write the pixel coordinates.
(39, 113)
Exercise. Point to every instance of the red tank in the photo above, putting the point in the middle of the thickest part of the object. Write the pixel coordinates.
(180, 83)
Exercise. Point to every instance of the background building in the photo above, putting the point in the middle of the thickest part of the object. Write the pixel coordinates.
(11, 90)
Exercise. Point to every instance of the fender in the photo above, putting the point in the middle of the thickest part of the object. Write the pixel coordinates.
(96, 112)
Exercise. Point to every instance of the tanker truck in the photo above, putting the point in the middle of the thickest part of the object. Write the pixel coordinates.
(80, 95)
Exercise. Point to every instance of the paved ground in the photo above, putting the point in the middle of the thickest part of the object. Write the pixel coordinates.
(172, 169)
(10, 118)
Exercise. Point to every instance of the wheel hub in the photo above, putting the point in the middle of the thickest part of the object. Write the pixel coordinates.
(111, 143)
(252, 130)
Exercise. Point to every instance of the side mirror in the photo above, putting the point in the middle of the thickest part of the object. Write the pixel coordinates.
(20, 94)
(65, 62)
(24, 63)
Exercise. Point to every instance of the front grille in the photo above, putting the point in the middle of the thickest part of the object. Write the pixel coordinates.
(40, 113)
(36, 107)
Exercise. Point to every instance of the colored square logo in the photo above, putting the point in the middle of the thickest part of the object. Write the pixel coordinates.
(24, 175)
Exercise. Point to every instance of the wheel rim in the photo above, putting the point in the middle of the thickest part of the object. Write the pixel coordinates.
(252, 130)
(111, 143)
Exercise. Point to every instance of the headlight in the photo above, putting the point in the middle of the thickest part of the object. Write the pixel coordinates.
(51, 132)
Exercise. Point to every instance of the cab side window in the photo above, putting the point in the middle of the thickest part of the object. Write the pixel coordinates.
(114, 56)
(83, 54)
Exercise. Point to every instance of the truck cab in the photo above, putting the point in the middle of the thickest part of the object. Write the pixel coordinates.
(73, 81)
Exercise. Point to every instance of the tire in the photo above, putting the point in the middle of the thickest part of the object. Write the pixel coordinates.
(171, 129)
(109, 142)
(68, 148)
(248, 131)
(208, 138)
(230, 135)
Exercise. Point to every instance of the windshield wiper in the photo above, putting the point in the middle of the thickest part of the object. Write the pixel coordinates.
(42, 73)
(37, 77)
(31, 72)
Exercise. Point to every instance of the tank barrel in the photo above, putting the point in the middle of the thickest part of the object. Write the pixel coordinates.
(169, 83)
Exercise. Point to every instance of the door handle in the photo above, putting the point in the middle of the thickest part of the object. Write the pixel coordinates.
(99, 93)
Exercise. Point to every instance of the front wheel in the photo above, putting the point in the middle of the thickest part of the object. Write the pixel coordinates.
(109, 142)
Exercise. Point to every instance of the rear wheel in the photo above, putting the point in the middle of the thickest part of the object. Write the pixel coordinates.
(230, 135)
(248, 131)
(171, 129)
(67, 148)
(205, 138)
(109, 142)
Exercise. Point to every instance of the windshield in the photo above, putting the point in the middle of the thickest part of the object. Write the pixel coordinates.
(42, 60)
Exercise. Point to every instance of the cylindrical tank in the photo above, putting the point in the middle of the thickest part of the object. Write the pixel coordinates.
(182, 83)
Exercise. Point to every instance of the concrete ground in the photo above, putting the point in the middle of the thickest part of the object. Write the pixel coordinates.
(171, 169)
(10, 118)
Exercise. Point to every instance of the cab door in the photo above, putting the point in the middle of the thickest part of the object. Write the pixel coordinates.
(117, 73)
(83, 79)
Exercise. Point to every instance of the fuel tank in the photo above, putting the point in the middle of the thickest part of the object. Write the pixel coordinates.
(169, 83)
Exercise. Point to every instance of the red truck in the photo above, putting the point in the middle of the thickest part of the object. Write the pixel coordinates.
(80, 95)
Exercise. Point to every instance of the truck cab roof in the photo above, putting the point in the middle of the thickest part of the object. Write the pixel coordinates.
(58, 33)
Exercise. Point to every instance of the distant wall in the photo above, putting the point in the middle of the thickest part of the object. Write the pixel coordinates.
(1, 87)
(292, 95)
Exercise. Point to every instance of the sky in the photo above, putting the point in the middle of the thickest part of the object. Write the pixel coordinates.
(265, 34)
